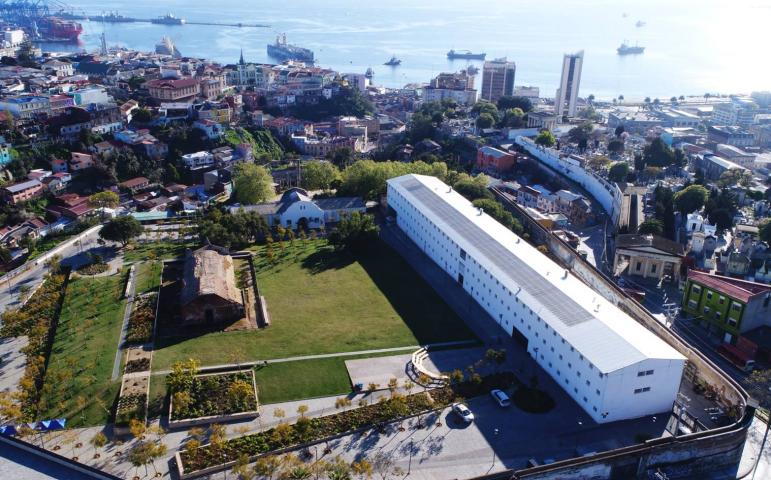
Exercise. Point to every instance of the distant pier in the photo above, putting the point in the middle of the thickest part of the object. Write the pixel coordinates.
(122, 19)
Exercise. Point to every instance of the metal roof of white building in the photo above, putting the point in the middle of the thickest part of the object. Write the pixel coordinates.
(609, 338)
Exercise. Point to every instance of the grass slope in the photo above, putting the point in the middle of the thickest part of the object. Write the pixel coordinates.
(77, 384)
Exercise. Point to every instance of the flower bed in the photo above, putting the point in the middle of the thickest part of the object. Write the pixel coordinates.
(214, 395)
(141, 365)
(130, 407)
(306, 430)
(93, 269)
(37, 320)
(140, 326)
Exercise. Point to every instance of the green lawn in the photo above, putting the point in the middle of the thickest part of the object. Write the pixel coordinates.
(322, 301)
(148, 276)
(155, 250)
(278, 382)
(77, 384)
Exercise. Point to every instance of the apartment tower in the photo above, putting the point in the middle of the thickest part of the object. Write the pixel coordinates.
(498, 79)
(567, 93)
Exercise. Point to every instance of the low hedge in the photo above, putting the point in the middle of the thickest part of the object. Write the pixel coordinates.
(311, 429)
(93, 269)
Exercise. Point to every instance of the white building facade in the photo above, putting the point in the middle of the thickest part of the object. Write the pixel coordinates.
(567, 93)
(611, 365)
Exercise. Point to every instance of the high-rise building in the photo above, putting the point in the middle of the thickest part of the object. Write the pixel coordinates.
(498, 79)
(567, 93)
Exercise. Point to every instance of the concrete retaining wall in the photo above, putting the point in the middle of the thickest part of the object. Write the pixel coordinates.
(605, 193)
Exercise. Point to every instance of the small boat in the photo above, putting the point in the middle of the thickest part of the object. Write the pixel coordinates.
(393, 62)
(626, 49)
(639, 24)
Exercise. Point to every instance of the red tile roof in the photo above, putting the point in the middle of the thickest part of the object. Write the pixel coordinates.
(733, 287)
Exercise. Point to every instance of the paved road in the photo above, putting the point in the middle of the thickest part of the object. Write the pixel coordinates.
(71, 255)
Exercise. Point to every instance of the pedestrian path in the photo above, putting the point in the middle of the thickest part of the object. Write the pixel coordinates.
(328, 355)
(130, 290)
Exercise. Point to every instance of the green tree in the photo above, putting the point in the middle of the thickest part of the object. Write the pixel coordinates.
(142, 115)
(121, 230)
(473, 188)
(105, 199)
(252, 183)
(652, 226)
(764, 230)
(658, 154)
(545, 139)
(616, 146)
(618, 172)
(485, 120)
(514, 118)
(664, 209)
(734, 177)
(523, 103)
(503, 216)
(318, 175)
(354, 231)
(690, 199)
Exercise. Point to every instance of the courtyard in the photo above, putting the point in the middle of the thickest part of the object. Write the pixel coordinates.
(323, 301)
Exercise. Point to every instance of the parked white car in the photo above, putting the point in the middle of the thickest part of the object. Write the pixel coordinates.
(500, 398)
(463, 412)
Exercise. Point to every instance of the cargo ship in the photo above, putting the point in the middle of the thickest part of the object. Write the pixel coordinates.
(284, 51)
(54, 29)
(168, 19)
(465, 54)
(626, 49)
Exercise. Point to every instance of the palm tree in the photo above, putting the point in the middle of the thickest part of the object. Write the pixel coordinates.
(647, 102)
(682, 98)
(673, 100)
(590, 98)
(98, 441)
(706, 97)
(620, 98)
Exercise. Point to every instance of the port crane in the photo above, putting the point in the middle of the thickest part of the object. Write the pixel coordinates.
(24, 12)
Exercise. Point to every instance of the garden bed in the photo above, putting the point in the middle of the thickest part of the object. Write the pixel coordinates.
(140, 365)
(212, 398)
(140, 325)
(132, 401)
(94, 269)
(210, 458)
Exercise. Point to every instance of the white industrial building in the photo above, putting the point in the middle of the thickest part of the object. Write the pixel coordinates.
(607, 362)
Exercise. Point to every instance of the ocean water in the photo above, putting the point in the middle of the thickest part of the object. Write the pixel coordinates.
(692, 46)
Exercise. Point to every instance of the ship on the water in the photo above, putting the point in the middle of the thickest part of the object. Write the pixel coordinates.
(54, 29)
(465, 54)
(393, 62)
(111, 17)
(166, 47)
(626, 49)
(284, 51)
(168, 19)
